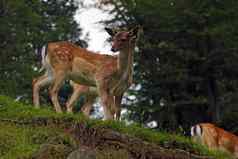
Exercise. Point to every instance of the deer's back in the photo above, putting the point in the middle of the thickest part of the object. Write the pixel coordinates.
(65, 53)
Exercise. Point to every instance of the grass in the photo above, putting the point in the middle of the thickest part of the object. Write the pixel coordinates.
(23, 141)
(9, 109)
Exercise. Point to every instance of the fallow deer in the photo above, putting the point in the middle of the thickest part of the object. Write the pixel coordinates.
(109, 75)
(47, 79)
(215, 138)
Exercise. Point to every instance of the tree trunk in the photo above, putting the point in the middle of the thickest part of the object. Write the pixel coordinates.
(214, 109)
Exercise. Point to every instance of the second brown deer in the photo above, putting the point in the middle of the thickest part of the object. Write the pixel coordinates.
(105, 75)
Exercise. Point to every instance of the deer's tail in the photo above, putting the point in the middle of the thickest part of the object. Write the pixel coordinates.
(196, 130)
(43, 57)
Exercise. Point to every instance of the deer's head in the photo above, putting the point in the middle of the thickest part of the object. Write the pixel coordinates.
(122, 39)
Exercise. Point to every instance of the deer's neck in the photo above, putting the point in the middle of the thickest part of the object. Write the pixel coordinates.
(125, 62)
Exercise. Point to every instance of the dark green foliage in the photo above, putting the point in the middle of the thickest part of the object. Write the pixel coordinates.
(187, 57)
(25, 26)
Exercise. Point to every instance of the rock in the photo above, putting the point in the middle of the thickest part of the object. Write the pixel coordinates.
(82, 153)
(51, 151)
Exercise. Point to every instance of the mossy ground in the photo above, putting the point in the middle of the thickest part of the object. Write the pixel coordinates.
(22, 141)
(19, 140)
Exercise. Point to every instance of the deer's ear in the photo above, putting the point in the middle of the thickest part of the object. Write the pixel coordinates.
(110, 31)
(134, 31)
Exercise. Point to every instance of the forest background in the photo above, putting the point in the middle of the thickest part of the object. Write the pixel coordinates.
(186, 63)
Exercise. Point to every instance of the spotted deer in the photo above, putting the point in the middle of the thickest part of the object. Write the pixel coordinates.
(105, 75)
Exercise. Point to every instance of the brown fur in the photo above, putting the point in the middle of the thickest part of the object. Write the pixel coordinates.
(110, 75)
(217, 138)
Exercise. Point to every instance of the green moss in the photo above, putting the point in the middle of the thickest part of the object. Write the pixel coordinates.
(9, 109)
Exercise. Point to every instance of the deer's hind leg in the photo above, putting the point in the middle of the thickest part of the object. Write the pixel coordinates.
(78, 90)
(87, 107)
(37, 84)
(59, 78)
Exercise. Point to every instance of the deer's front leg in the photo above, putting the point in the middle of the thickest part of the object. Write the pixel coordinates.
(118, 100)
(107, 100)
(121, 86)
(108, 104)
(58, 81)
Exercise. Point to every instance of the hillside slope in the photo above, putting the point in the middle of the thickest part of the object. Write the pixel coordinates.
(27, 133)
